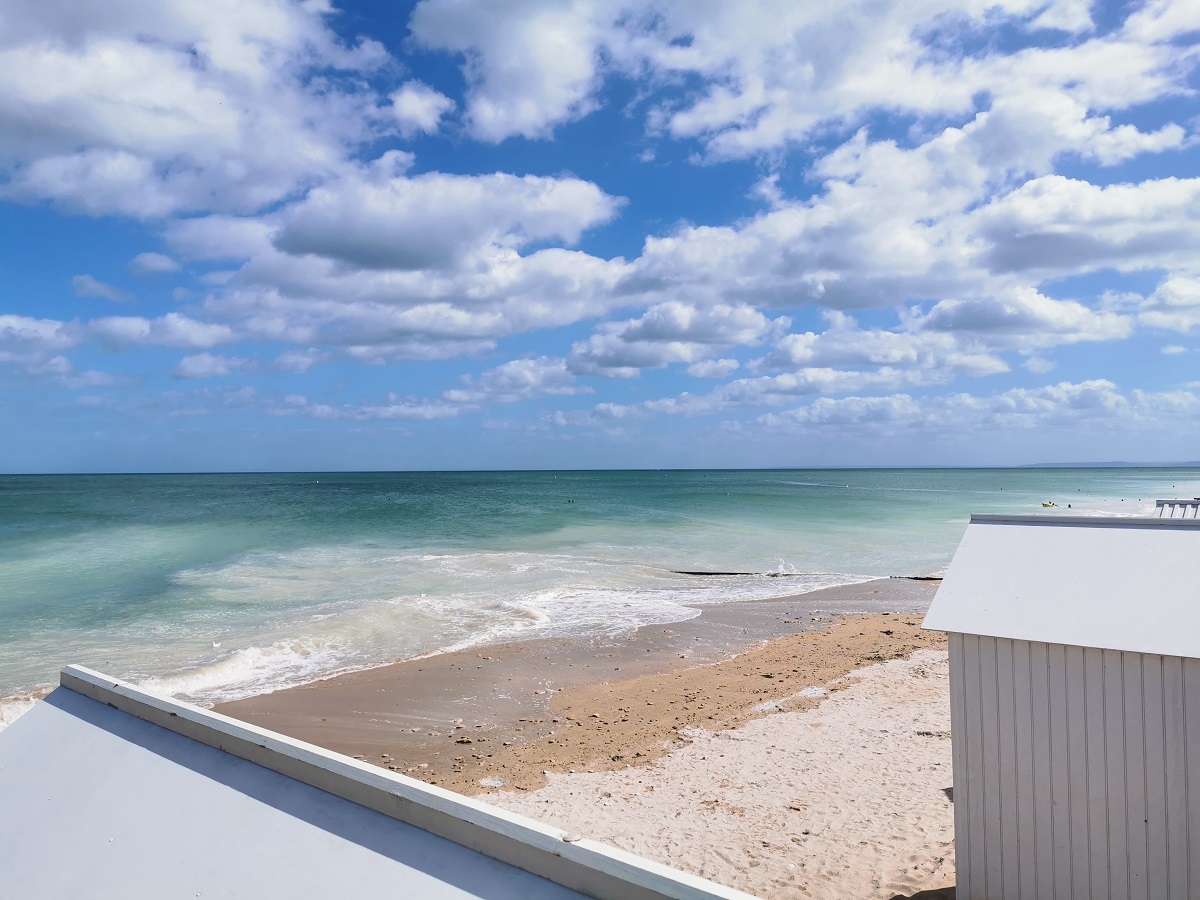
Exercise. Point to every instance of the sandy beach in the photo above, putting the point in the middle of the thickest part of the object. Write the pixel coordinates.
(774, 746)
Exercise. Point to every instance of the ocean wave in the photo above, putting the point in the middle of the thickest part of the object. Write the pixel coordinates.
(247, 671)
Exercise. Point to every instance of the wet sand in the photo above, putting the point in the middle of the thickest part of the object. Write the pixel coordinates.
(502, 716)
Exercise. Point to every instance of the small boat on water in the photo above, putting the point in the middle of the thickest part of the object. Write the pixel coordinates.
(1049, 503)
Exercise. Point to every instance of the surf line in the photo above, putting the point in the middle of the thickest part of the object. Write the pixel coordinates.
(760, 574)
(797, 575)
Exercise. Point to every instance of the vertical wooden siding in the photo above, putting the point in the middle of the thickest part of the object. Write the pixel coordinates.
(1076, 772)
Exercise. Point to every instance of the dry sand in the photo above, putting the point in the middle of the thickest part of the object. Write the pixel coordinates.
(843, 800)
(776, 771)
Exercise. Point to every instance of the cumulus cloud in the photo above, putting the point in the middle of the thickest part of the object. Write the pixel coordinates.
(1175, 304)
(671, 332)
(21, 333)
(1097, 403)
(379, 219)
(933, 204)
(61, 371)
(520, 379)
(417, 314)
(87, 286)
(35, 347)
(768, 75)
(140, 111)
(418, 108)
(713, 368)
(394, 408)
(152, 264)
(299, 361)
(171, 330)
(206, 365)
(766, 390)
(1055, 224)
(1024, 317)
(529, 66)
(845, 344)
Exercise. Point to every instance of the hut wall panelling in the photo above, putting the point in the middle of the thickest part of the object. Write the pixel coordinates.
(1076, 771)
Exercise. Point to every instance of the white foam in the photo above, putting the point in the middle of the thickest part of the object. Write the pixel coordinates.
(246, 671)
(12, 708)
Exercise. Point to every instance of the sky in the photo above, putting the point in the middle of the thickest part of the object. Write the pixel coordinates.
(460, 234)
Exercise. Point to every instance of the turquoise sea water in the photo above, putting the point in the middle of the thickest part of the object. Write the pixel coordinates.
(218, 586)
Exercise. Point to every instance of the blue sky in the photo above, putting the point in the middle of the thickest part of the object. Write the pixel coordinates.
(466, 234)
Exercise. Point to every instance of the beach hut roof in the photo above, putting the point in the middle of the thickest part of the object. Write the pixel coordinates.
(1109, 582)
(111, 790)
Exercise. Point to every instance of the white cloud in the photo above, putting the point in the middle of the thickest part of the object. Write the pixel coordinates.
(767, 390)
(395, 408)
(1039, 365)
(206, 365)
(23, 333)
(520, 379)
(529, 66)
(1025, 318)
(257, 117)
(713, 368)
(1173, 350)
(766, 75)
(171, 330)
(1066, 15)
(827, 411)
(1054, 225)
(61, 371)
(220, 237)
(87, 286)
(670, 332)
(182, 105)
(378, 219)
(1090, 405)
(34, 347)
(1175, 304)
(298, 361)
(845, 344)
(418, 314)
(1162, 20)
(152, 264)
(418, 108)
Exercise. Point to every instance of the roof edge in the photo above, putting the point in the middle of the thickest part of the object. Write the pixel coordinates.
(581, 864)
(1094, 521)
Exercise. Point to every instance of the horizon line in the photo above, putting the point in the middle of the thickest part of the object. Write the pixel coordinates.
(1055, 465)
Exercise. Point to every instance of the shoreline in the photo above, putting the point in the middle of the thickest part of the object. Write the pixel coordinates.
(501, 716)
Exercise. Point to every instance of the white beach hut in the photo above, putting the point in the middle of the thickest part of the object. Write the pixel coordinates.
(108, 791)
(1075, 706)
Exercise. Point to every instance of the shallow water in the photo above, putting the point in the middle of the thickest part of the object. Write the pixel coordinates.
(219, 586)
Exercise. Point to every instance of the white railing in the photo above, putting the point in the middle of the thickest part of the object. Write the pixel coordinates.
(1178, 509)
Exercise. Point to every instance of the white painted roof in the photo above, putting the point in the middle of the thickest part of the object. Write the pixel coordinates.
(106, 790)
(1115, 583)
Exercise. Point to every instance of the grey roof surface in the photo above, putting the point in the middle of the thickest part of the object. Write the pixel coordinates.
(103, 804)
(124, 794)
(1115, 583)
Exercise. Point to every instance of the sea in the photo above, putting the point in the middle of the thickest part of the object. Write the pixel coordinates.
(216, 587)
